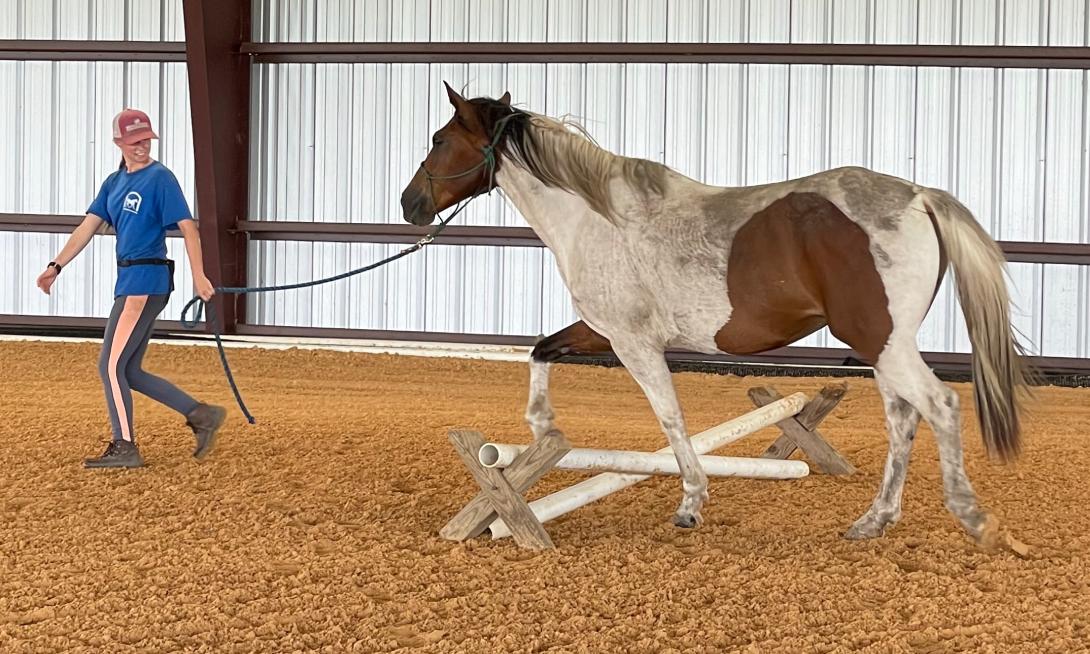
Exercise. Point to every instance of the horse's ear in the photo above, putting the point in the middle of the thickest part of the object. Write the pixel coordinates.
(506, 99)
(455, 98)
(462, 109)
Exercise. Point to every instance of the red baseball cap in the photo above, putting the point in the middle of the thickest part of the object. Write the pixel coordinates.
(132, 126)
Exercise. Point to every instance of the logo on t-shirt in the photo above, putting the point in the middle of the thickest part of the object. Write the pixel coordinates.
(132, 202)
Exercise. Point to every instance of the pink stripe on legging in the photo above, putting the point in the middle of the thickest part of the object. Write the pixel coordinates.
(126, 322)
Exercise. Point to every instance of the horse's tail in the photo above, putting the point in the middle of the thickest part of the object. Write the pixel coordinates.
(1001, 378)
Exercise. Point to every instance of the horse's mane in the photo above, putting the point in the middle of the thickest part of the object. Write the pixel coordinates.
(561, 154)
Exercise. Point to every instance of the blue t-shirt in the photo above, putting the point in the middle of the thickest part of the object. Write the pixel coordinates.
(141, 207)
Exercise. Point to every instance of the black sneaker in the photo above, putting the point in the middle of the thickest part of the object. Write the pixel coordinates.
(118, 454)
(205, 421)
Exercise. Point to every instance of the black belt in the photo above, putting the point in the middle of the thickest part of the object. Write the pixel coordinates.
(169, 263)
(125, 263)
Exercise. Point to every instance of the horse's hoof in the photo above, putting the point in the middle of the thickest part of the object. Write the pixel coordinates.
(864, 531)
(686, 521)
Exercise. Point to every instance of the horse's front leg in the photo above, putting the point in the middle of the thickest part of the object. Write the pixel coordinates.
(574, 339)
(647, 365)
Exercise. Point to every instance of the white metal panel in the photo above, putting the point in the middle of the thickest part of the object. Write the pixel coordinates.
(1067, 24)
(893, 116)
(145, 20)
(938, 22)
(766, 21)
(1065, 315)
(73, 168)
(520, 312)
(566, 20)
(35, 166)
(810, 21)
(728, 21)
(1067, 168)
(808, 97)
(605, 20)
(766, 124)
(645, 20)
(685, 21)
(58, 150)
(109, 19)
(842, 135)
(1025, 22)
(527, 20)
(980, 22)
(727, 124)
(9, 19)
(644, 111)
(851, 21)
(173, 21)
(73, 19)
(1026, 306)
(114, 20)
(849, 114)
(86, 287)
(684, 119)
(1000, 140)
(945, 22)
(935, 146)
(895, 21)
(11, 138)
(37, 20)
(557, 310)
(1021, 166)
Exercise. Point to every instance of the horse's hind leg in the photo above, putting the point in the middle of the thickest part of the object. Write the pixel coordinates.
(903, 369)
(647, 365)
(901, 421)
(574, 339)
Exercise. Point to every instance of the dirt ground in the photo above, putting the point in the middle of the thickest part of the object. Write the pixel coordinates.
(317, 528)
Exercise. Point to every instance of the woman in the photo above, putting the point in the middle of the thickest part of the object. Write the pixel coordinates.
(141, 201)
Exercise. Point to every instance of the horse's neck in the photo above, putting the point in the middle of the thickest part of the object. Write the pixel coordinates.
(562, 219)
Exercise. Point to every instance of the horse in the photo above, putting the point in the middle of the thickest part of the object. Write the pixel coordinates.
(655, 260)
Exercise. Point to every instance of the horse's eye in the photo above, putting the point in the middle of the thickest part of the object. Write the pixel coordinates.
(437, 140)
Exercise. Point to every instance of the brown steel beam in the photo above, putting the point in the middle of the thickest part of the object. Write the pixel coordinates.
(281, 230)
(1031, 252)
(219, 90)
(761, 53)
(269, 230)
(796, 355)
(10, 323)
(49, 224)
(277, 230)
(790, 356)
(70, 50)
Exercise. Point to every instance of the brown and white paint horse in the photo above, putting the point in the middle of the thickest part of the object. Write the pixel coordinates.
(654, 260)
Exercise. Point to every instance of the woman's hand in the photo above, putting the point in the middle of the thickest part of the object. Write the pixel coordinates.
(204, 287)
(46, 279)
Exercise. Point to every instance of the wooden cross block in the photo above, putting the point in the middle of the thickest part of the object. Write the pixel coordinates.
(800, 430)
(501, 490)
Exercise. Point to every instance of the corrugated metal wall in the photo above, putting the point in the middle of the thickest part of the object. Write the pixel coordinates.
(337, 142)
(56, 147)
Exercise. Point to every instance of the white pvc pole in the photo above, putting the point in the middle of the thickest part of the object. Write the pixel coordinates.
(498, 455)
(597, 487)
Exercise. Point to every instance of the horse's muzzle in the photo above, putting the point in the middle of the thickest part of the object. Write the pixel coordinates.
(417, 207)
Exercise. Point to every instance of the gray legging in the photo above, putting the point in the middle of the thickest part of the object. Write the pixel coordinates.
(123, 347)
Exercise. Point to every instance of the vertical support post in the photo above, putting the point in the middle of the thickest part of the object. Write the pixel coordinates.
(219, 95)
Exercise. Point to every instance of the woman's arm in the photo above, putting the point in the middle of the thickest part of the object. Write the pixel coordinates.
(79, 239)
(192, 238)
